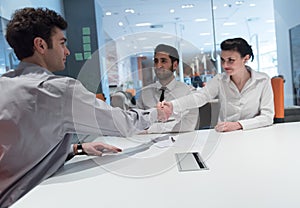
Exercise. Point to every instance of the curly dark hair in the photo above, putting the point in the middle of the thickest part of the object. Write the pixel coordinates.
(239, 45)
(28, 23)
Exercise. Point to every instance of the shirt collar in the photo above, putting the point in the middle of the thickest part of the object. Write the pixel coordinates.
(254, 75)
(169, 86)
(30, 67)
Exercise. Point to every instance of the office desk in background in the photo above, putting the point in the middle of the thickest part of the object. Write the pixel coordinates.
(254, 168)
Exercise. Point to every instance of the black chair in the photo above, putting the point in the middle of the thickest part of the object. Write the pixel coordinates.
(208, 116)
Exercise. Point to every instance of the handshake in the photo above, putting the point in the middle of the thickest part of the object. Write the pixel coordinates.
(164, 110)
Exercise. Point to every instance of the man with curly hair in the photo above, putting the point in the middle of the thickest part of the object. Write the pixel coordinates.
(40, 112)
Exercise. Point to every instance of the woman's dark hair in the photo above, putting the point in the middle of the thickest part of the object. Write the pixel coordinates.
(27, 24)
(239, 45)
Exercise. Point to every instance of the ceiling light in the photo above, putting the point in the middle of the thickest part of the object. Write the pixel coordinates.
(129, 11)
(215, 7)
(187, 6)
(108, 13)
(201, 20)
(143, 24)
(172, 10)
(227, 5)
(120, 24)
(204, 34)
(252, 5)
(229, 23)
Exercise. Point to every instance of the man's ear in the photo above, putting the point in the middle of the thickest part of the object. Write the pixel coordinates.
(39, 45)
(175, 65)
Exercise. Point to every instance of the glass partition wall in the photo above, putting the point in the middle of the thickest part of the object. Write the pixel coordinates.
(8, 60)
(195, 28)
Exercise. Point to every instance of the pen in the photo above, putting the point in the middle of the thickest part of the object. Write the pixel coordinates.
(172, 139)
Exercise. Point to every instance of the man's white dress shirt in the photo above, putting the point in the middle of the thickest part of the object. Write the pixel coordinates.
(149, 98)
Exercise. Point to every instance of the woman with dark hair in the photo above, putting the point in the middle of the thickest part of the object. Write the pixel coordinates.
(245, 95)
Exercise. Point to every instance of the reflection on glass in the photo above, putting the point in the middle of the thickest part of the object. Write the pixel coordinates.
(196, 33)
(8, 59)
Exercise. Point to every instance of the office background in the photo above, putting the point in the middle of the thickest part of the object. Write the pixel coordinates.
(285, 14)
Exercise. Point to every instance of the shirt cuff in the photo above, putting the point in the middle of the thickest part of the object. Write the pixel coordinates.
(152, 115)
(176, 108)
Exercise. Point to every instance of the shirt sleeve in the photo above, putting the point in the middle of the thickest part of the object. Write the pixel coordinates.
(84, 114)
(171, 125)
(139, 102)
(162, 127)
(197, 99)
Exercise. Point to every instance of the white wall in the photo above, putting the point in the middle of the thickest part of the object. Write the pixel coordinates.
(7, 7)
(287, 15)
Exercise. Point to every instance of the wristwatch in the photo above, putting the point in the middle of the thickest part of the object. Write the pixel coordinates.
(78, 150)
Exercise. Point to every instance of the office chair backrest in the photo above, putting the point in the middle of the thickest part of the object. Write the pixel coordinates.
(123, 100)
(100, 96)
(208, 115)
(278, 92)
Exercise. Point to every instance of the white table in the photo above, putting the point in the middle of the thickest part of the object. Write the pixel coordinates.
(254, 168)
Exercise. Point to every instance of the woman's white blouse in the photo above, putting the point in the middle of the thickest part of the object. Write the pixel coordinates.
(253, 107)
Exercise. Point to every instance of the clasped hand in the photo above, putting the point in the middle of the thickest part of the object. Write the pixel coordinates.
(164, 110)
